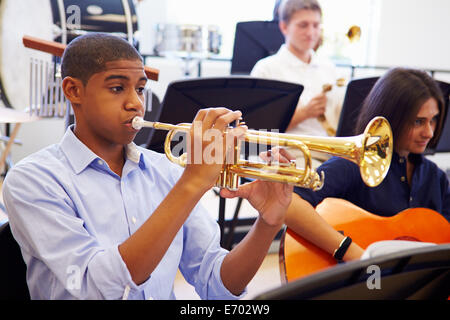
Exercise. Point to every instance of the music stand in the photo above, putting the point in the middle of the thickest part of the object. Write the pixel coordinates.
(265, 104)
(422, 273)
(253, 41)
(443, 144)
(357, 91)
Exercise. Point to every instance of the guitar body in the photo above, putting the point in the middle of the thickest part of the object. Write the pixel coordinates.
(299, 257)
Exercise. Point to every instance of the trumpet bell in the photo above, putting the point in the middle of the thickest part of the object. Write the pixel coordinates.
(354, 33)
(377, 151)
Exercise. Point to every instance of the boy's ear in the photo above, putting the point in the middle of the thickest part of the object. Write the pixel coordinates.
(73, 89)
(283, 27)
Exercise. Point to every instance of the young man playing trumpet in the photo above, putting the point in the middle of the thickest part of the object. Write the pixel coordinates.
(97, 217)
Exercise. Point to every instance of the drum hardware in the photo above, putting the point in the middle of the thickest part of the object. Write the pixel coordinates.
(7, 139)
(371, 151)
(118, 16)
(46, 96)
(47, 99)
(187, 39)
(188, 42)
(8, 116)
(128, 18)
(214, 40)
(57, 49)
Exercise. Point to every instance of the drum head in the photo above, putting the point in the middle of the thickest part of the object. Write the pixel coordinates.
(19, 18)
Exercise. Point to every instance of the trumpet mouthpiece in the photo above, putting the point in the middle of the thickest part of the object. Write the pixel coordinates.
(137, 123)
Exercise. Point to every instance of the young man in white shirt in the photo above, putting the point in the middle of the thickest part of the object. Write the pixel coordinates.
(296, 61)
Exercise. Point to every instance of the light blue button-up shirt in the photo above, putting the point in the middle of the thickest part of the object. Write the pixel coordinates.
(69, 212)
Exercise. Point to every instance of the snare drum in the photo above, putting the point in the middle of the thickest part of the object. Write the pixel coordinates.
(188, 39)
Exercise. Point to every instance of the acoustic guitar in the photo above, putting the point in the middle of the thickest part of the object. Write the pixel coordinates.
(299, 257)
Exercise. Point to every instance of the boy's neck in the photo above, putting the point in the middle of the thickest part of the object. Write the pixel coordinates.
(115, 158)
(113, 155)
(303, 55)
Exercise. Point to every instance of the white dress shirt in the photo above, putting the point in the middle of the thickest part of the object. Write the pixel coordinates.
(285, 66)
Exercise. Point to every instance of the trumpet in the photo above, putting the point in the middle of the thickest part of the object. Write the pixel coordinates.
(371, 151)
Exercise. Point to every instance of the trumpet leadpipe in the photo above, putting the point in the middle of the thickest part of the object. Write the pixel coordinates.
(138, 123)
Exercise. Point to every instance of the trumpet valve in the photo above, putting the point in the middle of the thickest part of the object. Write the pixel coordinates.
(293, 163)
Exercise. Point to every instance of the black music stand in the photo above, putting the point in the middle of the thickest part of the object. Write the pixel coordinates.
(416, 274)
(357, 91)
(443, 144)
(253, 41)
(265, 104)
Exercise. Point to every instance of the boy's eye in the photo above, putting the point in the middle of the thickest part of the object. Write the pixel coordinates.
(140, 90)
(116, 89)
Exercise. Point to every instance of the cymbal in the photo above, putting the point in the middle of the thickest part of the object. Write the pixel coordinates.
(8, 115)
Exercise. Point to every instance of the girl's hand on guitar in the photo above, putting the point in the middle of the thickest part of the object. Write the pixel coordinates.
(270, 199)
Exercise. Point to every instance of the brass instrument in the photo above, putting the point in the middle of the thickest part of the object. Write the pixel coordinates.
(322, 118)
(354, 33)
(371, 151)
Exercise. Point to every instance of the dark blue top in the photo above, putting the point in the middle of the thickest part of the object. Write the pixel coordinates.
(430, 187)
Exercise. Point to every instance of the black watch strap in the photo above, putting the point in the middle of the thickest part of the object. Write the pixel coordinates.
(343, 247)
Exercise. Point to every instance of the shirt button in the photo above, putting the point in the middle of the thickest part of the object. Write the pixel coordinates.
(402, 179)
(134, 220)
(401, 160)
(410, 199)
(100, 162)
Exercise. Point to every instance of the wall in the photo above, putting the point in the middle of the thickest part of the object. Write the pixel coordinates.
(414, 32)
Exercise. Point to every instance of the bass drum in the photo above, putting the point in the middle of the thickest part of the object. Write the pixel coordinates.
(19, 18)
(112, 16)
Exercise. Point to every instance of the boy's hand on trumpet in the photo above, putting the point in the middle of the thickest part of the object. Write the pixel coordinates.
(209, 140)
(270, 199)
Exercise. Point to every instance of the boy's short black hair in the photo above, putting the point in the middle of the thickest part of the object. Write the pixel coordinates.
(88, 54)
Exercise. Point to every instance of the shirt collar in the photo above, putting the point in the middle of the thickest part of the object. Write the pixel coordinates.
(416, 158)
(80, 156)
(293, 60)
(413, 157)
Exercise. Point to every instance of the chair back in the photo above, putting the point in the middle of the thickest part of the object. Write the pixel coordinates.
(253, 41)
(13, 285)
